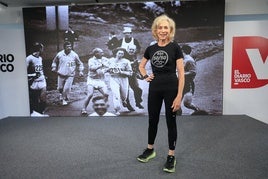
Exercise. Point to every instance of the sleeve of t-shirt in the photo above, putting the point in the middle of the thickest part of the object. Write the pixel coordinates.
(179, 53)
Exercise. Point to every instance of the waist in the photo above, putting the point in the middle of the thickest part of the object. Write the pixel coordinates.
(164, 74)
(165, 78)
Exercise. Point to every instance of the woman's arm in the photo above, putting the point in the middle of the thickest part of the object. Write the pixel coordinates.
(177, 101)
(143, 71)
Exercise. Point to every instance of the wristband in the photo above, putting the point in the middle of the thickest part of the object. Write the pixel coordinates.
(145, 76)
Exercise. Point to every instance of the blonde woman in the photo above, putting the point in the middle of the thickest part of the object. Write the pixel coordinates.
(166, 85)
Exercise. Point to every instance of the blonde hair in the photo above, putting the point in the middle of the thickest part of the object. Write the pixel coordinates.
(159, 19)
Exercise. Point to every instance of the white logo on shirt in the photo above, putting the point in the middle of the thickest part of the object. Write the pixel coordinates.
(160, 58)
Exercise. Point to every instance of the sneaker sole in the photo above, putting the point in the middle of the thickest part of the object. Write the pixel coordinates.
(170, 170)
(147, 159)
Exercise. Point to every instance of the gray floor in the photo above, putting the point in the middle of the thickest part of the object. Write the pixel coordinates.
(232, 146)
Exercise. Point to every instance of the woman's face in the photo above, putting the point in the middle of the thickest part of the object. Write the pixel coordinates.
(120, 54)
(163, 30)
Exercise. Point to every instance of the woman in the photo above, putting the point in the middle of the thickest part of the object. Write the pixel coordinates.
(166, 84)
(120, 70)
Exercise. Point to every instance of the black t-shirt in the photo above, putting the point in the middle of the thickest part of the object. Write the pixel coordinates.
(163, 59)
(163, 63)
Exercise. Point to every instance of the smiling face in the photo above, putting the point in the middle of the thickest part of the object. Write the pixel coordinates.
(100, 106)
(163, 30)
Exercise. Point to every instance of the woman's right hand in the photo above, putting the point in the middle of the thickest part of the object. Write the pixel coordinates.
(150, 78)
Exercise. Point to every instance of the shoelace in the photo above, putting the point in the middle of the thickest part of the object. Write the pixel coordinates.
(170, 159)
(146, 151)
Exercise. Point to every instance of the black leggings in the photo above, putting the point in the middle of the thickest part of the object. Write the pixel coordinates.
(155, 100)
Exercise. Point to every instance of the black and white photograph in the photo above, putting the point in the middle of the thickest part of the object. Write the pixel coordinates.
(104, 45)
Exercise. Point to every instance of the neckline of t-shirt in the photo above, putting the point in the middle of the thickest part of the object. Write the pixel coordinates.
(164, 45)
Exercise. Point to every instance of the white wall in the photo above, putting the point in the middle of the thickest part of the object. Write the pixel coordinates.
(242, 7)
(252, 102)
(14, 90)
(244, 18)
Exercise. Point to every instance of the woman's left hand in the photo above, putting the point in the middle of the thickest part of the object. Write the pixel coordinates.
(176, 104)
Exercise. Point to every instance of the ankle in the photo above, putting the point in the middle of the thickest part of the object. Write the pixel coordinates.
(171, 153)
(150, 146)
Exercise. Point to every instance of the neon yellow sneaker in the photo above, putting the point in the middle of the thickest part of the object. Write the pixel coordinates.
(170, 164)
(146, 155)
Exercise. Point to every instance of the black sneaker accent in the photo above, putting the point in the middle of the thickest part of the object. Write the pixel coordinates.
(146, 155)
(170, 164)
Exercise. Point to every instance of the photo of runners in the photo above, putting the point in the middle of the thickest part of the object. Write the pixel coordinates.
(89, 53)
